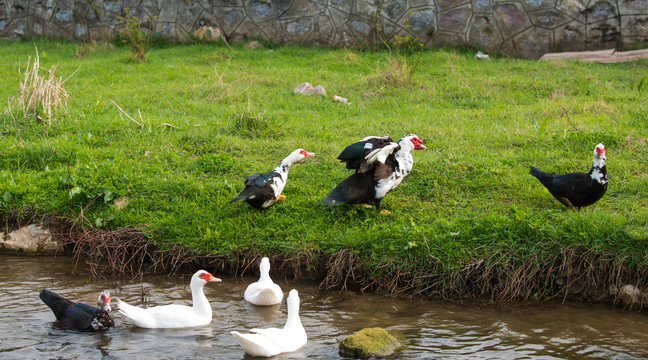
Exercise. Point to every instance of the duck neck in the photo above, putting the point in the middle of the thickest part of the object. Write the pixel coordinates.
(293, 320)
(598, 172)
(200, 303)
(284, 167)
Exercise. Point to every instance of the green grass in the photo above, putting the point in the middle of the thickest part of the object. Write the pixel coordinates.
(233, 114)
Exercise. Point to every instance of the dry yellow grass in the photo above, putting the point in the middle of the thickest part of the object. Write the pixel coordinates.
(40, 96)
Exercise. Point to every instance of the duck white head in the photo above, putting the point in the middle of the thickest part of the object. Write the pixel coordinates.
(103, 301)
(411, 142)
(296, 156)
(202, 277)
(599, 155)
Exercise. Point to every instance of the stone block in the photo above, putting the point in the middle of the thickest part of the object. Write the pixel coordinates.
(324, 28)
(304, 8)
(484, 34)
(393, 10)
(455, 20)
(601, 10)
(511, 18)
(538, 4)
(633, 7)
(602, 35)
(570, 37)
(482, 6)
(447, 4)
(260, 12)
(31, 239)
(299, 29)
(443, 38)
(423, 20)
(230, 18)
(634, 25)
(188, 15)
(342, 5)
(548, 18)
(534, 42)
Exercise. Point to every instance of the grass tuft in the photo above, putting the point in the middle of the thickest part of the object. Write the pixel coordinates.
(41, 94)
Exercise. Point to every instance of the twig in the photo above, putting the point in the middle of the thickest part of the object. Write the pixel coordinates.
(128, 116)
(167, 124)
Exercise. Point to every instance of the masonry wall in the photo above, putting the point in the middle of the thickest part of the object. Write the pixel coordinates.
(526, 28)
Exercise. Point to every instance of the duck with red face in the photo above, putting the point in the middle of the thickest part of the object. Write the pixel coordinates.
(578, 189)
(380, 166)
(263, 190)
(78, 316)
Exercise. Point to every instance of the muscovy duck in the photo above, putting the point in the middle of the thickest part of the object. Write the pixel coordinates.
(264, 291)
(380, 165)
(273, 341)
(77, 316)
(263, 190)
(576, 190)
(174, 316)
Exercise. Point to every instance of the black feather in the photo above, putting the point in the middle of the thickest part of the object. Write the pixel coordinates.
(76, 316)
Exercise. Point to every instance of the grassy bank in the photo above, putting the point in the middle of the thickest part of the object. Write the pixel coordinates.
(212, 116)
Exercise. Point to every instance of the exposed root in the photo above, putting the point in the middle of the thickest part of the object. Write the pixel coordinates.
(341, 268)
(120, 252)
(573, 273)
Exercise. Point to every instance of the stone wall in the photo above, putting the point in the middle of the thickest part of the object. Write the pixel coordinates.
(526, 28)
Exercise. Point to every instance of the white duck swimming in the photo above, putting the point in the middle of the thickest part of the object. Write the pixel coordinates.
(264, 291)
(174, 316)
(273, 341)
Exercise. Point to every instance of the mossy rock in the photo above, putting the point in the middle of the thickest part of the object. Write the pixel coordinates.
(369, 342)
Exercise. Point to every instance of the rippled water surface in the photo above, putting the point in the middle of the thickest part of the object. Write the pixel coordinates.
(431, 329)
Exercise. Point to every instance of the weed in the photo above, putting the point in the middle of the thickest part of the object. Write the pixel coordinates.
(405, 55)
(40, 96)
(136, 34)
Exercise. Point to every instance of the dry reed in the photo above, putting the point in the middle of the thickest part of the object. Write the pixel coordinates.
(40, 96)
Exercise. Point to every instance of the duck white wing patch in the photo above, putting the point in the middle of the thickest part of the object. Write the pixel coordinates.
(374, 137)
(381, 154)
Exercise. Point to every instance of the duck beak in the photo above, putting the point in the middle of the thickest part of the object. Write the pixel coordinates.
(106, 307)
(309, 154)
(214, 279)
(420, 147)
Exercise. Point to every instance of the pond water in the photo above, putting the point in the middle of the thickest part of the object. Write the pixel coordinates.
(431, 329)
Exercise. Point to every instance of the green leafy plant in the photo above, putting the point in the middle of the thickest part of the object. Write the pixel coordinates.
(405, 54)
(136, 34)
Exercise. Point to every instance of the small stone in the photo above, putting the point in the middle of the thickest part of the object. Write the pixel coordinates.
(630, 295)
(31, 239)
(318, 90)
(369, 342)
(303, 88)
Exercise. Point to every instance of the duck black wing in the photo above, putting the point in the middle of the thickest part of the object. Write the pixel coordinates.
(355, 155)
(75, 316)
(576, 189)
(258, 189)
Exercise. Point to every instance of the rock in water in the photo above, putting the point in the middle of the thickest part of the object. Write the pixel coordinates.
(630, 295)
(31, 239)
(369, 342)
